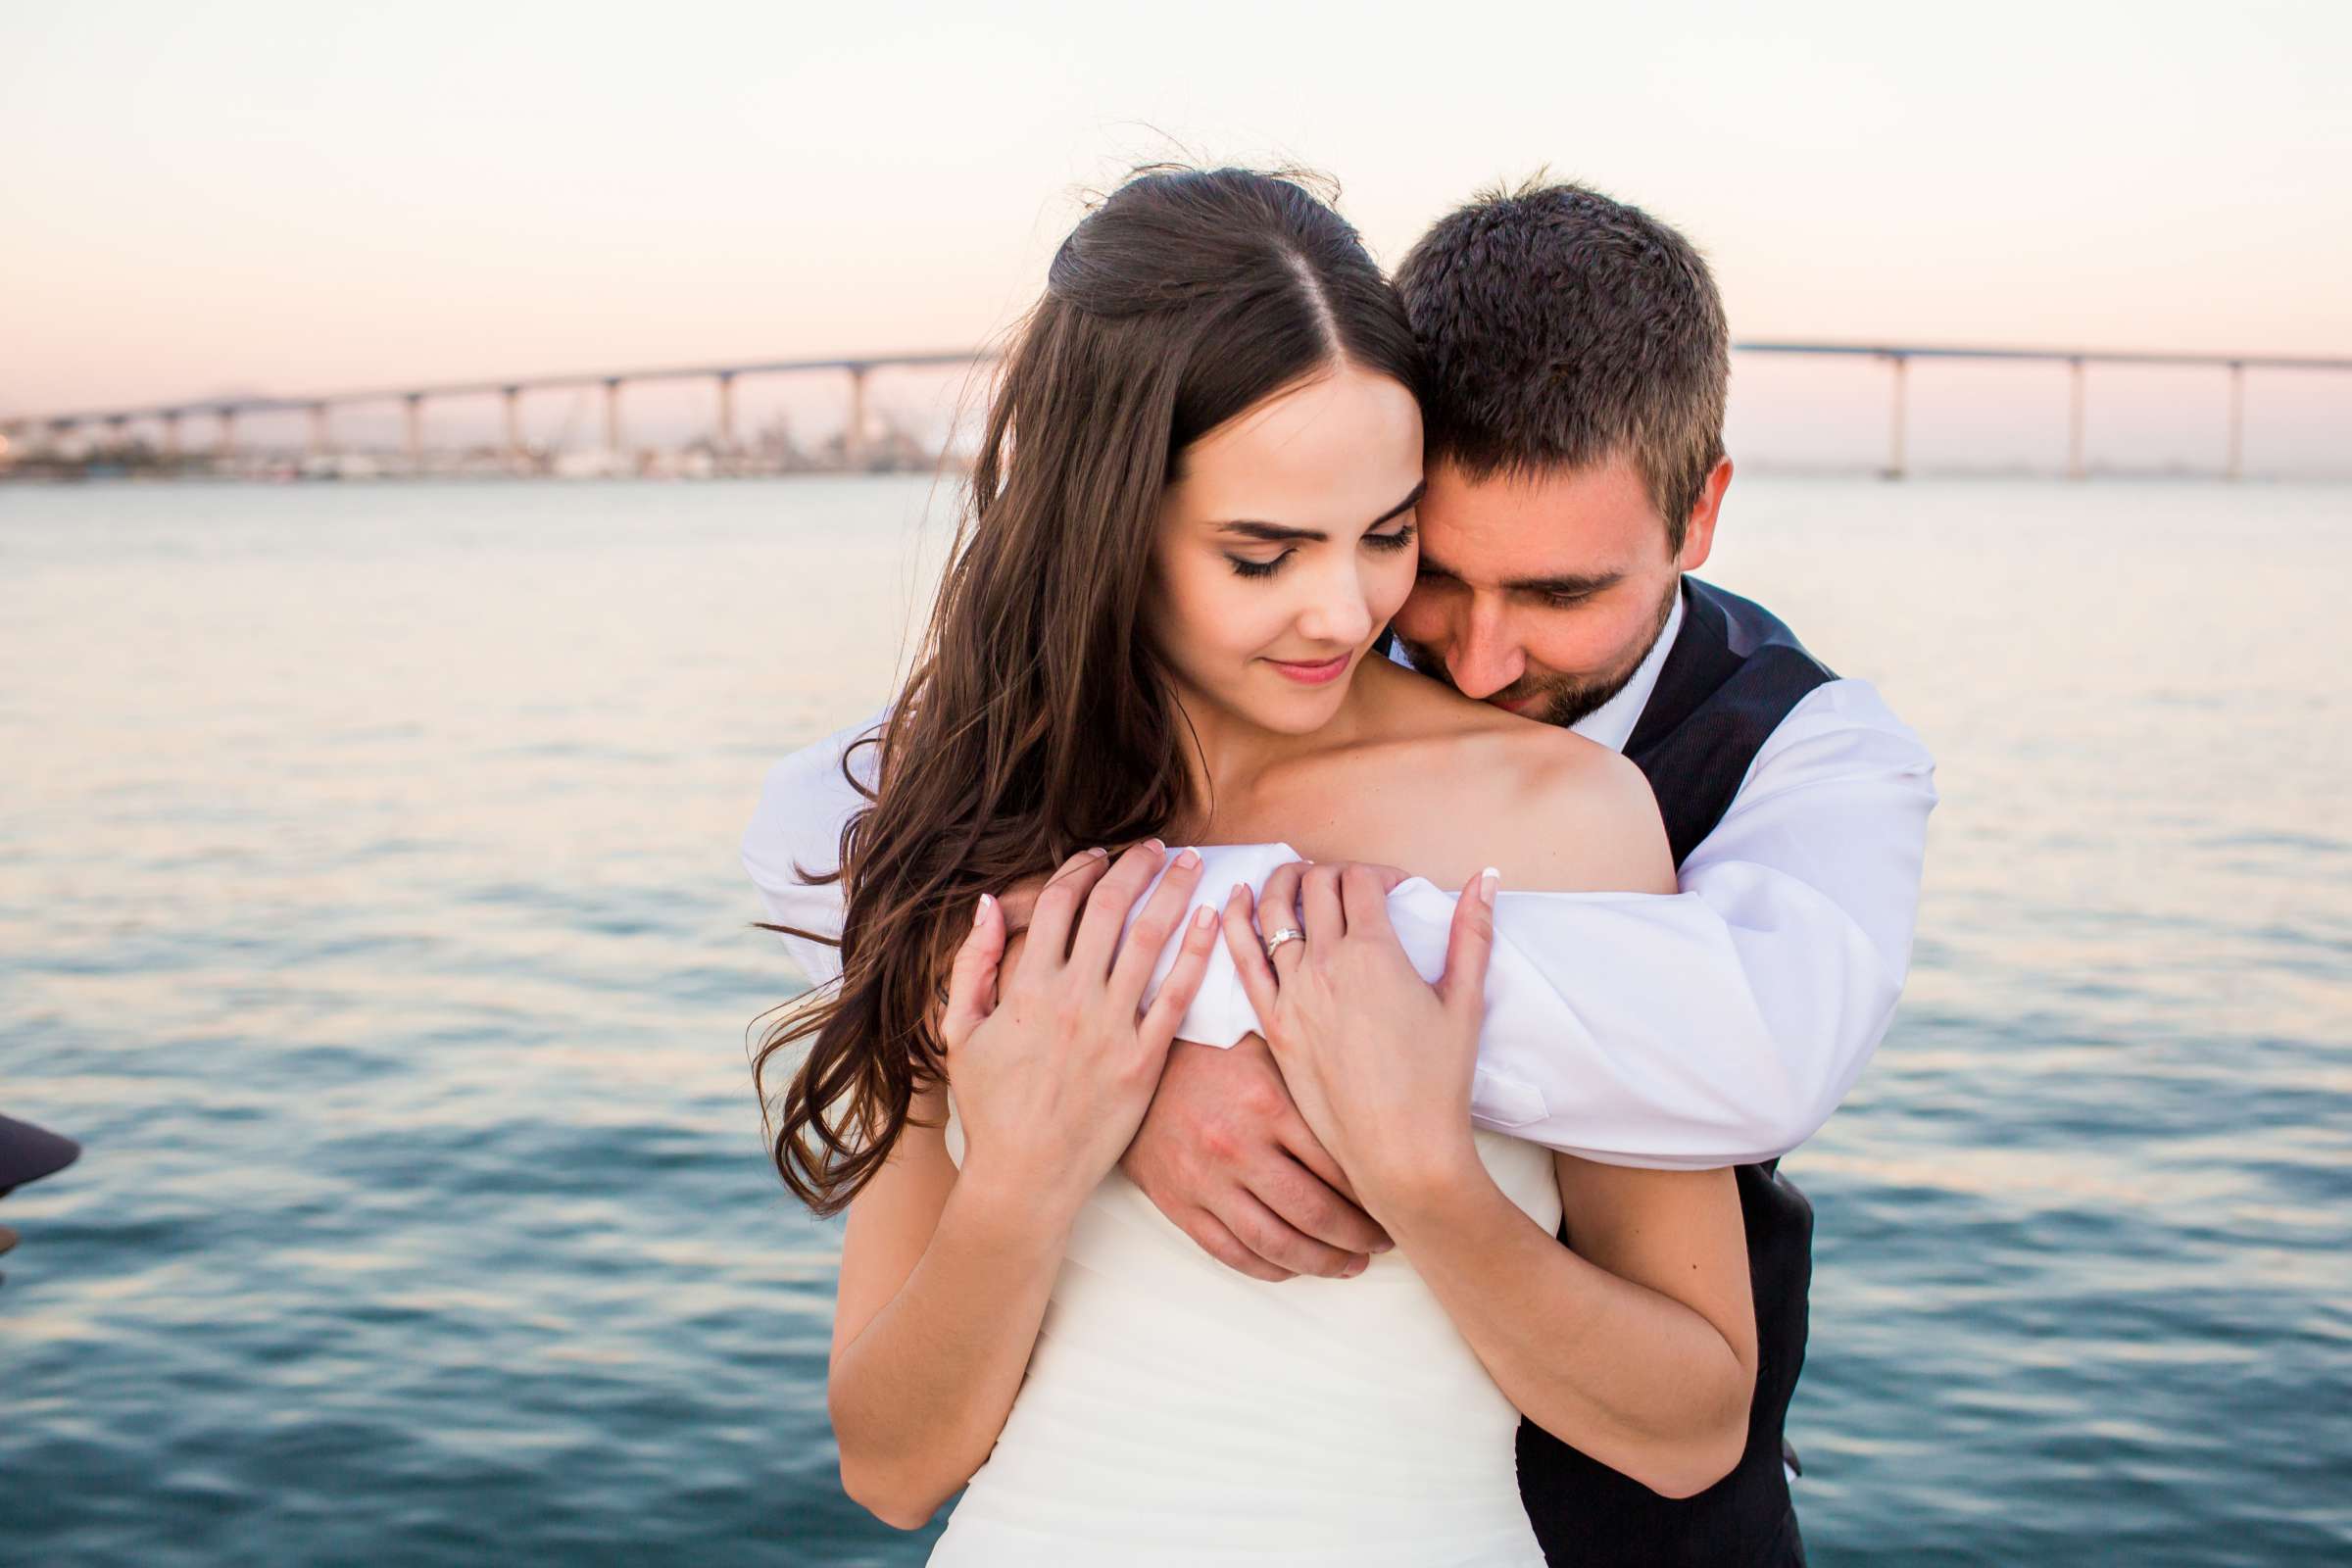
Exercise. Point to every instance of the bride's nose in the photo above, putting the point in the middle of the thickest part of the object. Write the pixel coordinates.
(1335, 609)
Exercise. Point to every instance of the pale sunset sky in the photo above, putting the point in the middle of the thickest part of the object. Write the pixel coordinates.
(298, 197)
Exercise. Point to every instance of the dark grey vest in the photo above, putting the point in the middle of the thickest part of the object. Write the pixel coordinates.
(1732, 674)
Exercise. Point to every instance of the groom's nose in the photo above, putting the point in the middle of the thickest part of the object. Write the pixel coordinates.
(1485, 658)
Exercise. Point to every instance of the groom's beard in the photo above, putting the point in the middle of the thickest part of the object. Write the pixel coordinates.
(1558, 699)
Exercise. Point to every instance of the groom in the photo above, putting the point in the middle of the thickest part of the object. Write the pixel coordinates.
(1573, 431)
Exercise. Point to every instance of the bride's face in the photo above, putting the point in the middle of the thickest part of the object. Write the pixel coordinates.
(1283, 547)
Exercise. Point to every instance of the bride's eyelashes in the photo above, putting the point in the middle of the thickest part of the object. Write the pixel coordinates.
(1243, 566)
(1383, 543)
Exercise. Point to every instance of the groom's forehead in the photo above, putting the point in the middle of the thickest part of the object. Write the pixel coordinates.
(1539, 524)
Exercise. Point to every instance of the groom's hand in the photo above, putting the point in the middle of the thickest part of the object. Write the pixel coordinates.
(1226, 1156)
(1379, 1060)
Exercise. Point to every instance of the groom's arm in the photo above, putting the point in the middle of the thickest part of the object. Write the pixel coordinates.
(1723, 1026)
(1719, 1026)
(805, 803)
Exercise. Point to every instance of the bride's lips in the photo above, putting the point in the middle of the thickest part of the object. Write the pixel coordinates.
(1320, 674)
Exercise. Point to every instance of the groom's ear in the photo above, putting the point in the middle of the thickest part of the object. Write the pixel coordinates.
(1698, 535)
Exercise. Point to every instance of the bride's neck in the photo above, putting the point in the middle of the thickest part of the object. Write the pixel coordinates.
(1227, 754)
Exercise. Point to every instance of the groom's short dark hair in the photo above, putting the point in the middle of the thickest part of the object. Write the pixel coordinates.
(1564, 329)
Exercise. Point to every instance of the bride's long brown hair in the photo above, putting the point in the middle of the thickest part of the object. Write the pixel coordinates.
(1037, 720)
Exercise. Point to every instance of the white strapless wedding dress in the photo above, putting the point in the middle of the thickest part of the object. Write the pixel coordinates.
(1177, 1412)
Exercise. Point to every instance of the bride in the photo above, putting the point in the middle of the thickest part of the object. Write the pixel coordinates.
(1192, 515)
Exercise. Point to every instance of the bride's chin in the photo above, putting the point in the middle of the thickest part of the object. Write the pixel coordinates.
(1263, 700)
(1302, 710)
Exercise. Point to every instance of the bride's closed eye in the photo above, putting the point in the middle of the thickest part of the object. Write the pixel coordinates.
(1245, 568)
(1384, 543)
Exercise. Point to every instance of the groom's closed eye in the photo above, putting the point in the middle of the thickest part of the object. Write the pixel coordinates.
(1555, 592)
(1565, 593)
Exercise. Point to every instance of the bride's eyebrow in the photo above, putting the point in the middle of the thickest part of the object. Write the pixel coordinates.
(1412, 500)
(1275, 533)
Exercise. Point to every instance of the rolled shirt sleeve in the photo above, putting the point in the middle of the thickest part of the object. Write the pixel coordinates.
(1724, 1024)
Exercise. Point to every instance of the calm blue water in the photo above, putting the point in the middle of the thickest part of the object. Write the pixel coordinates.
(368, 908)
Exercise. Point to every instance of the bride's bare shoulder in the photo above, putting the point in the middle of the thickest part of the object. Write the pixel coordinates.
(1555, 810)
(1585, 818)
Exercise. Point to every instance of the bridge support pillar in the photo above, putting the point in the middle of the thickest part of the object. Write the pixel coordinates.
(726, 413)
(852, 437)
(2076, 465)
(2237, 420)
(415, 416)
(172, 434)
(516, 457)
(1897, 367)
(320, 439)
(226, 448)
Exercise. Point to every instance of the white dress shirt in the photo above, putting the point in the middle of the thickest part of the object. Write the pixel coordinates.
(1720, 1025)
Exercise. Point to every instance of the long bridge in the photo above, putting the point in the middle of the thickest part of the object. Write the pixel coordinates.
(33, 435)
(21, 430)
(1898, 358)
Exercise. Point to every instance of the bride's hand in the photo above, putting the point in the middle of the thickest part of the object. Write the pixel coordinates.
(1053, 1068)
(1379, 1060)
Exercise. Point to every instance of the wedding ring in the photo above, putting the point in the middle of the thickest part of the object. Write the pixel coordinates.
(1289, 933)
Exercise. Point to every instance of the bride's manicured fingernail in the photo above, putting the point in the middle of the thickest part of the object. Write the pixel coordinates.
(1204, 917)
(980, 909)
(1488, 881)
(1098, 852)
(1156, 846)
(1187, 858)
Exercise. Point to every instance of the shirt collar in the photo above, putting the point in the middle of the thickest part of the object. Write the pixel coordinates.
(1612, 722)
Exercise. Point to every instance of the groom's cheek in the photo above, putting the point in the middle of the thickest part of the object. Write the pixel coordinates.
(1420, 613)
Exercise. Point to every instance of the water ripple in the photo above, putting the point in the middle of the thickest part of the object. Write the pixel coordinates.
(368, 910)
